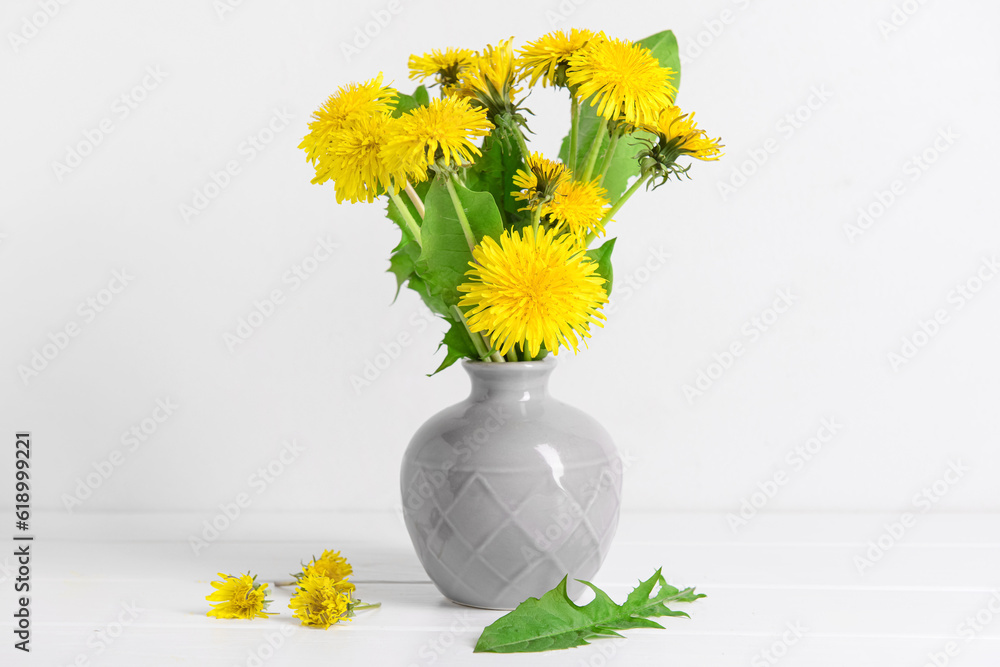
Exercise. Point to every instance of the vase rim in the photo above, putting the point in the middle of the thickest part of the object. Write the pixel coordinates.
(548, 362)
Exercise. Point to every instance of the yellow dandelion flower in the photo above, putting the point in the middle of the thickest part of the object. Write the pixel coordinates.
(578, 208)
(320, 601)
(490, 79)
(675, 134)
(622, 79)
(445, 66)
(681, 132)
(533, 289)
(547, 58)
(238, 597)
(355, 162)
(441, 132)
(538, 183)
(351, 101)
(330, 564)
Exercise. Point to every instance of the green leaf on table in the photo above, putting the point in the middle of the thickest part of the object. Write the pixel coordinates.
(494, 172)
(445, 256)
(602, 255)
(458, 344)
(553, 621)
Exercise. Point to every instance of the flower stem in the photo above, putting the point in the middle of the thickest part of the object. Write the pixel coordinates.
(460, 210)
(284, 583)
(595, 148)
(511, 355)
(574, 130)
(411, 224)
(415, 198)
(367, 605)
(478, 339)
(536, 218)
(609, 155)
(618, 205)
(516, 131)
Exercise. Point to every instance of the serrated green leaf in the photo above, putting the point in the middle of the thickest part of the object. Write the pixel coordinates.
(458, 344)
(445, 256)
(602, 255)
(553, 621)
(401, 265)
(433, 301)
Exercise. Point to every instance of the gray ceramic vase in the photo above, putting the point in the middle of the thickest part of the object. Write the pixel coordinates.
(510, 490)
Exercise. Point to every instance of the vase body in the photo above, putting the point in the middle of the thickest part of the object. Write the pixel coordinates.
(510, 490)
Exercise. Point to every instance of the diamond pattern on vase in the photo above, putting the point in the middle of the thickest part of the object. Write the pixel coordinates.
(483, 540)
(510, 549)
(478, 510)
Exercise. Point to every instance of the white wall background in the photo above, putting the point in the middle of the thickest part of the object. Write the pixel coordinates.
(890, 96)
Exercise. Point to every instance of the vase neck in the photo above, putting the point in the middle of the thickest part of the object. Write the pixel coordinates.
(510, 381)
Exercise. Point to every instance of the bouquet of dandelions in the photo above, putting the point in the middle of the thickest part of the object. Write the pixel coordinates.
(496, 238)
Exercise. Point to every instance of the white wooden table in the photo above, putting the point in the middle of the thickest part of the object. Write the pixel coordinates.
(127, 589)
